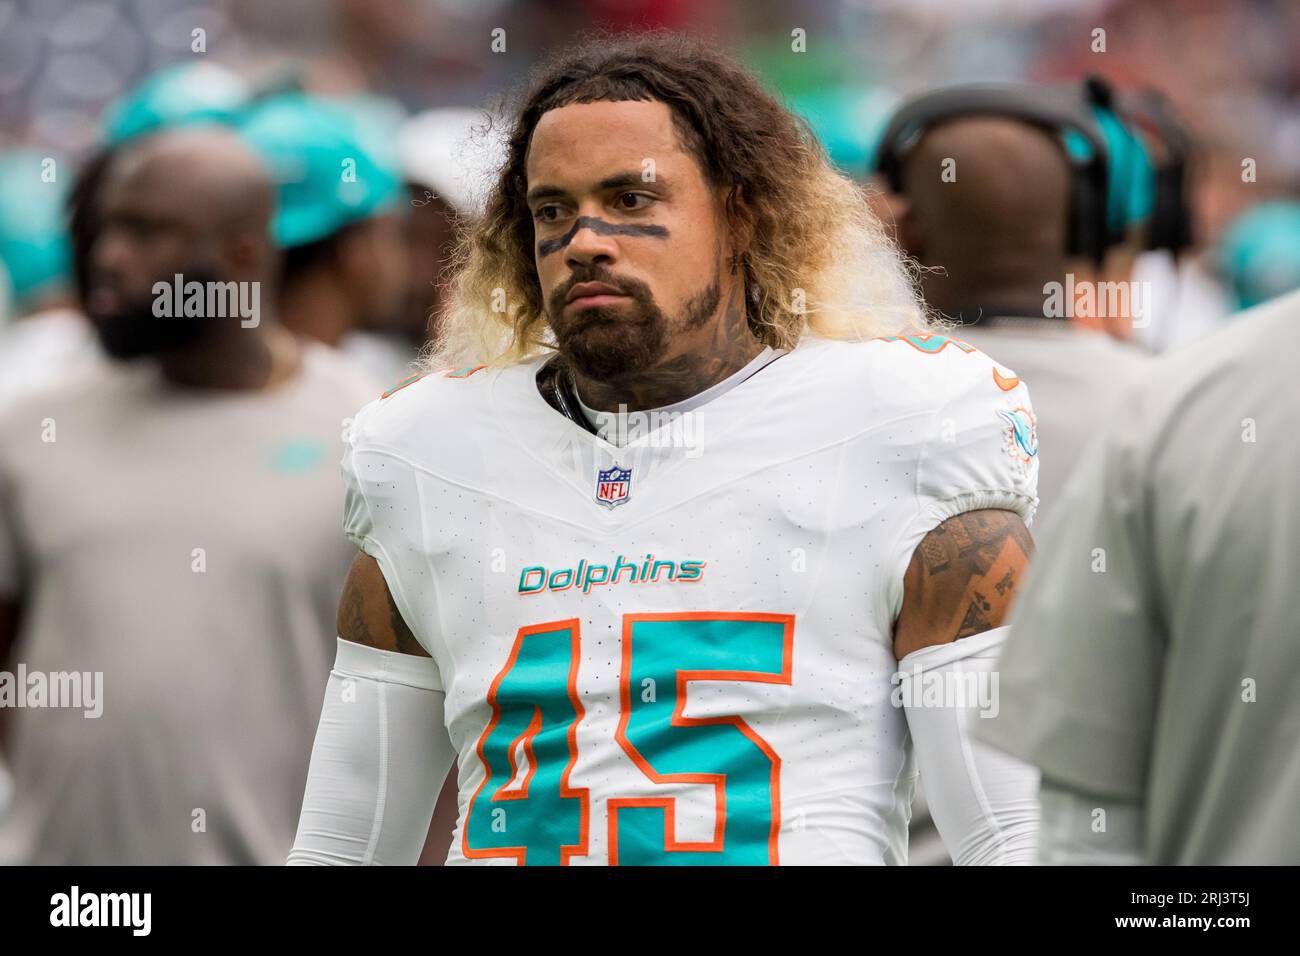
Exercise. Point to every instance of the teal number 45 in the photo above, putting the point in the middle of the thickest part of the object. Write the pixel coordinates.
(538, 817)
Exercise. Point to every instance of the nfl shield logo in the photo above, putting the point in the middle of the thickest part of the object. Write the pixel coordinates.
(613, 486)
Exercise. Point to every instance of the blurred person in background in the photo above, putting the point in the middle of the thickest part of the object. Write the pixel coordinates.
(1160, 251)
(1130, 201)
(47, 231)
(1152, 667)
(48, 336)
(340, 224)
(1259, 254)
(993, 239)
(1163, 253)
(448, 157)
(992, 234)
(178, 95)
(166, 522)
(46, 226)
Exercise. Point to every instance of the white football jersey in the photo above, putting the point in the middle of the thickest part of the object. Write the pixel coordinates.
(680, 651)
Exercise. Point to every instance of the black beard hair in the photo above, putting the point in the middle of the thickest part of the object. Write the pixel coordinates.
(136, 332)
(604, 345)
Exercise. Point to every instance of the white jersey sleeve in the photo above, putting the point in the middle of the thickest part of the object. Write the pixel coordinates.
(976, 448)
(381, 512)
(357, 524)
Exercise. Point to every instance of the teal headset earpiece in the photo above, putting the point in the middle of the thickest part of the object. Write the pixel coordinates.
(1132, 179)
(1171, 226)
(1056, 109)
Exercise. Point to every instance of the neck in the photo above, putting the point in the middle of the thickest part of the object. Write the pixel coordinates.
(315, 307)
(238, 359)
(706, 358)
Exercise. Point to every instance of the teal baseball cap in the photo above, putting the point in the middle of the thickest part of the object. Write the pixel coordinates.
(175, 96)
(1259, 254)
(330, 163)
(34, 245)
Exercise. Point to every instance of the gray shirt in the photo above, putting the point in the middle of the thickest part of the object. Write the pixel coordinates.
(1155, 654)
(1076, 378)
(185, 544)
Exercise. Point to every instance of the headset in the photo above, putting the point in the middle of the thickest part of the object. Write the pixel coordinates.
(1060, 110)
(1172, 225)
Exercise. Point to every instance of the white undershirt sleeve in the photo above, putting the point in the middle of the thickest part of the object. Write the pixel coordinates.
(379, 762)
(984, 803)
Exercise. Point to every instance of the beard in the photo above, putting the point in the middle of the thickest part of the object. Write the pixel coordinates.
(612, 342)
(134, 331)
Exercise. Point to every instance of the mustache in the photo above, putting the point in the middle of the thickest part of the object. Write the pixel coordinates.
(630, 287)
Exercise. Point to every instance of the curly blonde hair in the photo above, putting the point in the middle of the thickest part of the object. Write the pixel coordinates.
(819, 262)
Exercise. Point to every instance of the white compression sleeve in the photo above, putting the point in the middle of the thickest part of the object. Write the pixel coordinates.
(1070, 835)
(984, 802)
(379, 761)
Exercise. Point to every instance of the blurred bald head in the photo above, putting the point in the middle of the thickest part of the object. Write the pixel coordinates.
(194, 202)
(999, 230)
(208, 170)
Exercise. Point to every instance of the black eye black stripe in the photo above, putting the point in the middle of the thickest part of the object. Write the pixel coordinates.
(548, 246)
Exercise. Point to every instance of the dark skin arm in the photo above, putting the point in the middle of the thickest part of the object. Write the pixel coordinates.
(962, 579)
(367, 615)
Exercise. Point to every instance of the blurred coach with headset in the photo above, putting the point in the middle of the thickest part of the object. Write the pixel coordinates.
(1014, 198)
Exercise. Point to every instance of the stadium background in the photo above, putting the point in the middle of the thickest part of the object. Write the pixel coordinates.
(1230, 67)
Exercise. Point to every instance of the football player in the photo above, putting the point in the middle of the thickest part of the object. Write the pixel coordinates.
(685, 572)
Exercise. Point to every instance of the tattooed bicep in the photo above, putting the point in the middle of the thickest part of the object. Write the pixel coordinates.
(962, 579)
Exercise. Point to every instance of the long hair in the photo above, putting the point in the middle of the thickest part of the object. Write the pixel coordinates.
(819, 261)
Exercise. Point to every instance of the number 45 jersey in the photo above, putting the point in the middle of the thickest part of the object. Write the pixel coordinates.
(680, 651)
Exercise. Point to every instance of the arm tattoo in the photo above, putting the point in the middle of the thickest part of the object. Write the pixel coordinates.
(962, 579)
